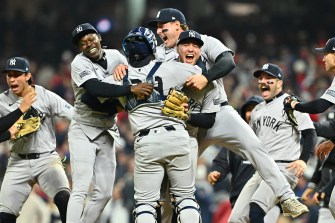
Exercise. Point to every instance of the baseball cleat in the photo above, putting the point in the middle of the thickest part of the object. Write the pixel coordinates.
(292, 207)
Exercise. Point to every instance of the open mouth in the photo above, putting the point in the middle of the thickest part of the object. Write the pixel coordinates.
(93, 50)
(14, 87)
(265, 88)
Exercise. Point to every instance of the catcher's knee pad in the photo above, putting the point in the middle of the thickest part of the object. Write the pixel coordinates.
(256, 213)
(7, 218)
(187, 210)
(147, 212)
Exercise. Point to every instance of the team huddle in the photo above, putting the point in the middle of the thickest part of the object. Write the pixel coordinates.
(177, 107)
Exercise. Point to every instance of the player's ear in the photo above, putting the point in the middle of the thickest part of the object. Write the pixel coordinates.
(27, 76)
(99, 36)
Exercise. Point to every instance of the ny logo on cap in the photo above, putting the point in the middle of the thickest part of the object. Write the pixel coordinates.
(191, 34)
(12, 62)
(265, 66)
(79, 29)
(158, 14)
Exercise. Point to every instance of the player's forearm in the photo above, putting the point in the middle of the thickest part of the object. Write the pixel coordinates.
(7, 121)
(100, 89)
(202, 120)
(313, 107)
(309, 142)
(224, 64)
(93, 102)
(221, 164)
(4, 136)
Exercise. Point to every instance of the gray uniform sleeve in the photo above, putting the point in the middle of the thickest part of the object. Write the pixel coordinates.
(329, 95)
(59, 107)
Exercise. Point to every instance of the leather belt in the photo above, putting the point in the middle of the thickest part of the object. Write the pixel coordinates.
(284, 161)
(224, 103)
(147, 131)
(32, 156)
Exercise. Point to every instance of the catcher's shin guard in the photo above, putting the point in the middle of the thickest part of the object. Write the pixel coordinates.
(147, 212)
(187, 210)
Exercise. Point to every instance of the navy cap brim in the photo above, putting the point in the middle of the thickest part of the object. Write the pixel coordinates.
(324, 50)
(257, 73)
(153, 23)
(14, 69)
(198, 41)
(77, 37)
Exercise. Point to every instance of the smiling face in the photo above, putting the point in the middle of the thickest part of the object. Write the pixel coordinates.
(269, 86)
(189, 52)
(90, 46)
(169, 32)
(18, 82)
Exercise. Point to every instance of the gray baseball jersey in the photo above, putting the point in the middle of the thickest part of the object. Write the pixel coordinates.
(91, 142)
(47, 170)
(238, 137)
(162, 145)
(282, 142)
(329, 95)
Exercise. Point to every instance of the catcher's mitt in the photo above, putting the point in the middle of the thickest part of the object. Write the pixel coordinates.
(28, 123)
(173, 105)
(288, 108)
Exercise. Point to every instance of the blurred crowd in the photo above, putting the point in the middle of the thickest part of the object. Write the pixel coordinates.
(25, 34)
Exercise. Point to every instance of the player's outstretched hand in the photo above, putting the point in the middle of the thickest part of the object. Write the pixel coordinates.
(120, 72)
(28, 100)
(289, 104)
(323, 149)
(197, 81)
(297, 167)
(213, 177)
(142, 89)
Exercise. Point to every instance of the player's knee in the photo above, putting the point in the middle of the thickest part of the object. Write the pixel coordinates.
(147, 212)
(187, 210)
(7, 218)
(256, 213)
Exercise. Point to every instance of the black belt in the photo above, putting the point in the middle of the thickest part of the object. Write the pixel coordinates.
(284, 161)
(224, 103)
(146, 131)
(32, 156)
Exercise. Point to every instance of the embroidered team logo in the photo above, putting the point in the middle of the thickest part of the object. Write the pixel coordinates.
(191, 34)
(12, 62)
(265, 66)
(158, 14)
(79, 29)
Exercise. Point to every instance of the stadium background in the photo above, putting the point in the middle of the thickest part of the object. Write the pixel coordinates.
(283, 32)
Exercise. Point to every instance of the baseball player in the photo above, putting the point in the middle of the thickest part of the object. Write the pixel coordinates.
(238, 137)
(161, 141)
(322, 104)
(7, 130)
(241, 170)
(281, 139)
(33, 158)
(92, 132)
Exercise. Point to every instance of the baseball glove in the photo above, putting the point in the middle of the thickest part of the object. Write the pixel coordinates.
(28, 123)
(173, 105)
(288, 108)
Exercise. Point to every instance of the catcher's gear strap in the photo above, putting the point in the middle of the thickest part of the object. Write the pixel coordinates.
(147, 209)
(177, 204)
(132, 102)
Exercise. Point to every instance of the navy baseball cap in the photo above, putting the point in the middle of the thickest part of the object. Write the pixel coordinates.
(329, 47)
(81, 30)
(17, 64)
(270, 69)
(168, 15)
(190, 35)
